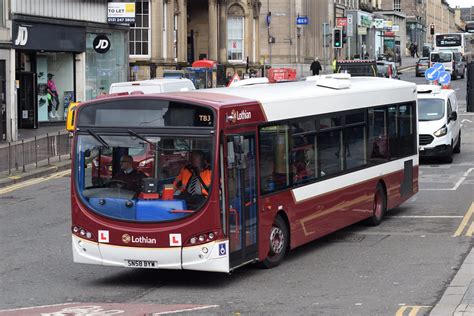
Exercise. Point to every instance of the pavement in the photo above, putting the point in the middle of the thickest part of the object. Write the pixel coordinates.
(458, 299)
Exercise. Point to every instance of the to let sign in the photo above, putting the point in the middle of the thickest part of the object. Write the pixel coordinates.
(341, 22)
(121, 13)
(302, 20)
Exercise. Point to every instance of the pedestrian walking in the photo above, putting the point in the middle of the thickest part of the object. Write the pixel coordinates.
(315, 66)
(415, 49)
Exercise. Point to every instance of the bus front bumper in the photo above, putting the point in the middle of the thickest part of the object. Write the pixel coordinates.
(211, 256)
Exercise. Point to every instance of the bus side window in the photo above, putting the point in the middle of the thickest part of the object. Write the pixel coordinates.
(274, 162)
(377, 138)
(393, 132)
(406, 130)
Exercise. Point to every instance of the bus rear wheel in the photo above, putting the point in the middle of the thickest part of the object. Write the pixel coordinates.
(379, 206)
(278, 244)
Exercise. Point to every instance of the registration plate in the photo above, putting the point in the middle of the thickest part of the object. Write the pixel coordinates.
(141, 264)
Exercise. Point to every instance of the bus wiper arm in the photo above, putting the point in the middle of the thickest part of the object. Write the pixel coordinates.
(98, 138)
(133, 133)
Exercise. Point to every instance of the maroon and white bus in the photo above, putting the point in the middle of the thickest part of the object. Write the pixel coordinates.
(290, 162)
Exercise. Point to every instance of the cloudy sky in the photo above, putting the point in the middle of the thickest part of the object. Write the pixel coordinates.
(461, 3)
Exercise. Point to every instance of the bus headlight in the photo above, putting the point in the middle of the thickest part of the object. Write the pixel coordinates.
(441, 132)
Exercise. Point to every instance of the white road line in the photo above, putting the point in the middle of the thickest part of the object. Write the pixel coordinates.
(456, 186)
(426, 216)
(186, 310)
(34, 307)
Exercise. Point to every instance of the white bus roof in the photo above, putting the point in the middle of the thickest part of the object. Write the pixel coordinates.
(304, 98)
(153, 85)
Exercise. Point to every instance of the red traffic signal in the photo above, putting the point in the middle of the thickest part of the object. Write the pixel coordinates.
(432, 29)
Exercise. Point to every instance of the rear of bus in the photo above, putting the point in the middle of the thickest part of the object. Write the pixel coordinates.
(146, 225)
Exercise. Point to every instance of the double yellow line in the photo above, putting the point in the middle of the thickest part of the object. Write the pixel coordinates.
(413, 310)
(466, 222)
(34, 181)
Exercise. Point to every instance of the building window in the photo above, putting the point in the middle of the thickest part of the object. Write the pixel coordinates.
(396, 5)
(140, 32)
(235, 33)
(2, 16)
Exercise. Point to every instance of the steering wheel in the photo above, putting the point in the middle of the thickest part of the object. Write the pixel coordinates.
(116, 183)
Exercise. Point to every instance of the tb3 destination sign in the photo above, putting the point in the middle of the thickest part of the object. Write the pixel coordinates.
(121, 13)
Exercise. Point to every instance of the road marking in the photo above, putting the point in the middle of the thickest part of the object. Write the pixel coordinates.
(470, 230)
(412, 309)
(426, 216)
(34, 307)
(464, 222)
(34, 181)
(456, 186)
(186, 310)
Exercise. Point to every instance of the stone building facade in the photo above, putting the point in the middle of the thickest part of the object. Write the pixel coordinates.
(176, 33)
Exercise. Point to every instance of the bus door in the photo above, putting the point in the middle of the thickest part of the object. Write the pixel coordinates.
(241, 197)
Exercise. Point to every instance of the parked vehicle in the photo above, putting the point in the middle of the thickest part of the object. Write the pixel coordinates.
(152, 86)
(357, 68)
(387, 69)
(439, 126)
(459, 64)
(421, 66)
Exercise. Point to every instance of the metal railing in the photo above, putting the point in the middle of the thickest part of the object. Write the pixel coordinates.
(35, 152)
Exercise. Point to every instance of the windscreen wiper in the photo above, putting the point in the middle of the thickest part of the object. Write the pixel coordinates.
(98, 138)
(133, 133)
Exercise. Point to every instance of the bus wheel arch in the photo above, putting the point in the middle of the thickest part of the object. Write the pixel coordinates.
(279, 241)
(379, 204)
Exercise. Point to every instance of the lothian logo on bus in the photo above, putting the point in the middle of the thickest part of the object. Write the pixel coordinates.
(126, 238)
(238, 116)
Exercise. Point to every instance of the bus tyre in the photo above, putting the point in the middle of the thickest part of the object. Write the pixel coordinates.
(278, 244)
(379, 206)
(457, 148)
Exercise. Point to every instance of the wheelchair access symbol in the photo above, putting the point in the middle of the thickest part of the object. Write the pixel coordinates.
(222, 249)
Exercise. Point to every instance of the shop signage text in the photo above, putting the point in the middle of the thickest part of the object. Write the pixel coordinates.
(121, 13)
(101, 44)
(341, 22)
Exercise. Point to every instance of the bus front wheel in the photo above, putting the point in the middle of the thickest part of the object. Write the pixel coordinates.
(379, 206)
(278, 244)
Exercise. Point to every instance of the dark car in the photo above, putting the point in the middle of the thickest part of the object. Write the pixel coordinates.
(357, 68)
(421, 66)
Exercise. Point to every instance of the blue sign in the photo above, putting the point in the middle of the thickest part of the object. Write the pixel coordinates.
(302, 20)
(222, 249)
(439, 67)
(432, 74)
(444, 78)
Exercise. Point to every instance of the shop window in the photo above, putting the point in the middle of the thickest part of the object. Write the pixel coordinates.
(55, 89)
(140, 39)
(235, 35)
(274, 162)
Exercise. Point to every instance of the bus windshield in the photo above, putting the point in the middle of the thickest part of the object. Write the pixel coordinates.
(448, 40)
(143, 177)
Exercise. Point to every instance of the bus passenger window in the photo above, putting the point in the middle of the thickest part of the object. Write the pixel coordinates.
(406, 130)
(393, 132)
(302, 152)
(274, 165)
(377, 148)
(330, 152)
(354, 146)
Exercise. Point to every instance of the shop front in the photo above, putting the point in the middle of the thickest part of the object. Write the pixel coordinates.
(45, 57)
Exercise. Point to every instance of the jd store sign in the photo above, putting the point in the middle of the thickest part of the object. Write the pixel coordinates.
(48, 37)
(101, 44)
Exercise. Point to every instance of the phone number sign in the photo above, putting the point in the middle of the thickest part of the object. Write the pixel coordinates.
(121, 12)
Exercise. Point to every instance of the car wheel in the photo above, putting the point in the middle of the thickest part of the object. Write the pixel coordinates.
(454, 75)
(463, 73)
(379, 206)
(279, 239)
(457, 148)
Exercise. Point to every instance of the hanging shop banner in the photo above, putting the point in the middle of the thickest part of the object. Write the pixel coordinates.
(121, 13)
(341, 22)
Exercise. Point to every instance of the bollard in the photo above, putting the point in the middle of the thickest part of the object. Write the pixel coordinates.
(47, 144)
(23, 154)
(36, 153)
(59, 146)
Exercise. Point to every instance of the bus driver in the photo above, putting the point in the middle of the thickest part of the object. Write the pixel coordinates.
(193, 181)
(128, 178)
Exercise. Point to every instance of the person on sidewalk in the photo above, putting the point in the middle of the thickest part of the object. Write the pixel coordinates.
(415, 49)
(53, 98)
(315, 67)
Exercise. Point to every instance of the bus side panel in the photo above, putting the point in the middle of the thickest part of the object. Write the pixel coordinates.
(394, 187)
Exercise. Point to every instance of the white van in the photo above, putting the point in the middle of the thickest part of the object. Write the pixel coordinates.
(152, 86)
(443, 57)
(439, 126)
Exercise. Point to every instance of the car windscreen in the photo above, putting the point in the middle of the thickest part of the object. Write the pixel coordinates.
(430, 109)
(441, 57)
(366, 70)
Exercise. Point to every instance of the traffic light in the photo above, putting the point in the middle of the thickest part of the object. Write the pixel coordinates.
(344, 36)
(432, 30)
(337, 38)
